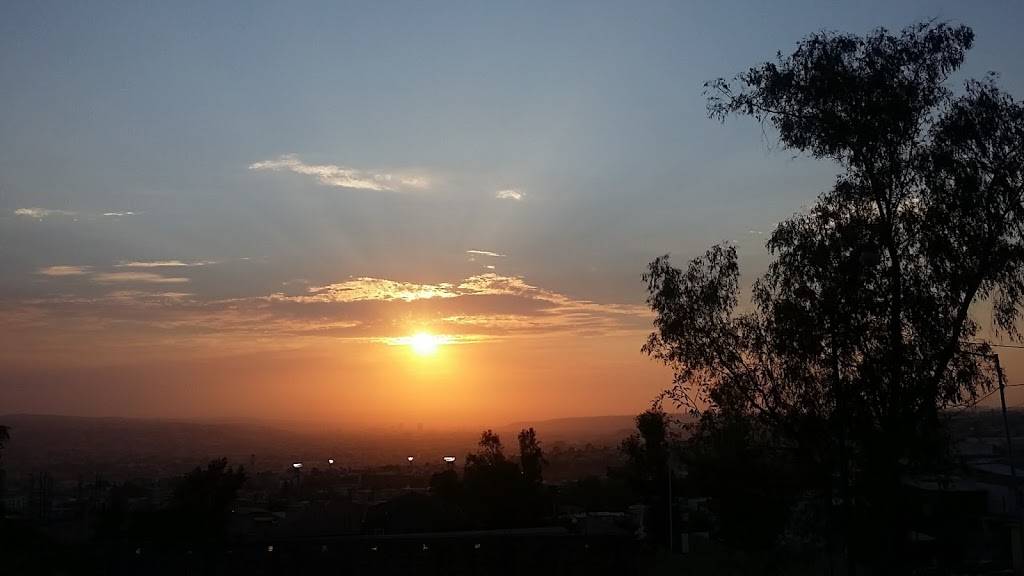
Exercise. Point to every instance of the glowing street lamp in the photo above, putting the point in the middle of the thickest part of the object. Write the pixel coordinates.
(330, 461)
(410, 458)
(297, 465)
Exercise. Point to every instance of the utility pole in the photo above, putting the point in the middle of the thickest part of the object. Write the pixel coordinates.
(1009, 458)
(671, 536)
(1006, 422)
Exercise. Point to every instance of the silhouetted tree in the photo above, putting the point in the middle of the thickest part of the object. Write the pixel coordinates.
(200, 507)
(647, 469)
(752, 485)
(491, 452)
(489, 479)
(496, 492)
(531, 457)
(860, 332)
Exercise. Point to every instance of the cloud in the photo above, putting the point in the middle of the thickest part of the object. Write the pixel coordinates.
(343, 177)
(144, 314)
(163, 263)
(485, 253)
(520, 306)
(54, 271)
(362, 289)
(136, 278)
(509, 194)
(138, 296)
(40, 213)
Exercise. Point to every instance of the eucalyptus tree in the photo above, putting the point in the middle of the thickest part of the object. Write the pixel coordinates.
(863, 329)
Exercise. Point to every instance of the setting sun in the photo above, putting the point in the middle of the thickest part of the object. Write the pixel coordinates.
(425, 344)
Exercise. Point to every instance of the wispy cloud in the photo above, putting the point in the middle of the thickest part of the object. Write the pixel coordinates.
(40, 213)
(138, 296)
(344, 177)
(163, 263)
(515, 305)
(148, 313)
(485, 253)
(363, 289)
(64, 271)
(136, 278)
(509, 194)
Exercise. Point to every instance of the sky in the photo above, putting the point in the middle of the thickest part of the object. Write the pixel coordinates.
(249, 209)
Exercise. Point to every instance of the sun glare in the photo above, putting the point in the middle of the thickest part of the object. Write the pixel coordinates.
(424, 343)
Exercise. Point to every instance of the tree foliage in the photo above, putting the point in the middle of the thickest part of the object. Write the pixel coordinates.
(531, 457)
(647, 469)
(861, 330)
(202, 500)
(497, 492)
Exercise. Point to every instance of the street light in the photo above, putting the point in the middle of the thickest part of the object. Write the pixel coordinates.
(297, 465)
(410, 458)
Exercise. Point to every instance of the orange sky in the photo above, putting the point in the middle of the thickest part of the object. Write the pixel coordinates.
(360, 383)
(510, 351)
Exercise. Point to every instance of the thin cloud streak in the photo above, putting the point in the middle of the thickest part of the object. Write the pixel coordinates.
(136, 278)
(58, 271)
(164, 263)
(343, 177)
(485, 253)
(509, 194)
(40, 213)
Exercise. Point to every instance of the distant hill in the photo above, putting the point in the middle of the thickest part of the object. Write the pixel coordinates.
(579, 429)
(596, 429)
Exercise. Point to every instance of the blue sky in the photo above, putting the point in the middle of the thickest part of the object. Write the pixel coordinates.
(135, 132)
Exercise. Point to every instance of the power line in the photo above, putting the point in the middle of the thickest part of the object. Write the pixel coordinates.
(978, 400)
(966, 407)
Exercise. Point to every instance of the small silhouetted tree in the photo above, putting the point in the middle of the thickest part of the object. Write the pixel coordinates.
(647, 469)
(202, 501)
(533, 495)
(531, 457)
(861, 331)
(491, 451)
(493, 485)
